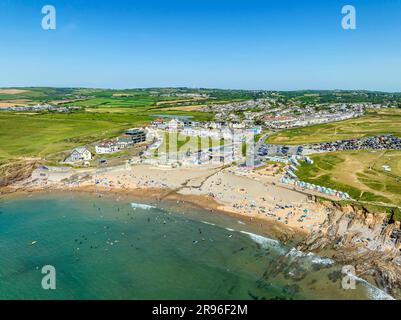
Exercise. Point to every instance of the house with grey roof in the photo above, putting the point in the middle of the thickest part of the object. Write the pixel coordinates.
(79, 154)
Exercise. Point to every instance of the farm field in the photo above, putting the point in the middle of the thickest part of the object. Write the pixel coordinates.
(360, 173)
(186, 108)
(14, 102)
(12, 91)
(151, 112)
(385, 121)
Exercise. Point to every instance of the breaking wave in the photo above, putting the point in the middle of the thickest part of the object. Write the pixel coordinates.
(309, 256)
(209, 223)
(141, 206)
(264, 242)
(374, 293)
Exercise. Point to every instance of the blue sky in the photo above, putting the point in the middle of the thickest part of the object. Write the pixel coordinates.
(248, 44)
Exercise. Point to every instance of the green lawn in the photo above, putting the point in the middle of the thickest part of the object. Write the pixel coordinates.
(360, 173)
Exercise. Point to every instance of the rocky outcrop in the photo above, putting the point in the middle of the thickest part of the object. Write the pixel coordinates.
(16, 171)
(370, 242)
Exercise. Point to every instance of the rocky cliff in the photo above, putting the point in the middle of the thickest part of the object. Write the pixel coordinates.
(370, 242)
(16, 171)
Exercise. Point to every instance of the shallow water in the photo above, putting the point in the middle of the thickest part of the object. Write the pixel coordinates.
(107, 249)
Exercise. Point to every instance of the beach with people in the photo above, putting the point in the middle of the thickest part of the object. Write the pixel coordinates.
(248, 194)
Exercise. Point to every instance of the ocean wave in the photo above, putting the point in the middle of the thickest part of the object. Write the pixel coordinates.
(374, 292)
(209, 223)
(229, 229)
(141, 206)
(265, 243)
(309, 256)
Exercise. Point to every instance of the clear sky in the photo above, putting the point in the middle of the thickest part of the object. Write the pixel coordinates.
(248, 44)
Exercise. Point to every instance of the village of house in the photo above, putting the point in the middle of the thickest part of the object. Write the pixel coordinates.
(237, 142)
(226, 160)
(234, 123)
(222, 141)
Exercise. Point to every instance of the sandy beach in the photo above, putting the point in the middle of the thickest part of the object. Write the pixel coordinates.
(249, 194)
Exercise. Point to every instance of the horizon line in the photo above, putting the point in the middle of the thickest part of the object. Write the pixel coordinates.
(195, 88)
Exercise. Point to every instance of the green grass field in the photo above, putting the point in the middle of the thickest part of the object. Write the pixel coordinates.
(359, 173)
(385, 121)
(42, 135)
(105, 114)
(45, 134)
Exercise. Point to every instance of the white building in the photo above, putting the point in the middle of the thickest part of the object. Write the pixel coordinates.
(79, 154)
(240, 125)
(175, 125)
(107, 147)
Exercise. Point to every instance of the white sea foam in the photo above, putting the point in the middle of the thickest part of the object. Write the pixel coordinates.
(374, 293)
(264, 242)
(209, 223)
(310, 256)
(320, 260)
(141, 206)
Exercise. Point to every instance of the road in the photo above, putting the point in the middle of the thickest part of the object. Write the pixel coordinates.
(261, 142)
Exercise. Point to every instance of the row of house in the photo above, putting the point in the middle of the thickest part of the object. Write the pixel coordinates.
(285, 122)
(204, 129)
(180, 124)
(40, 107)
(217, 134)
(129, 138)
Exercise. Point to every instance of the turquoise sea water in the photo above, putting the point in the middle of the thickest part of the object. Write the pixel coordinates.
(107, 249)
